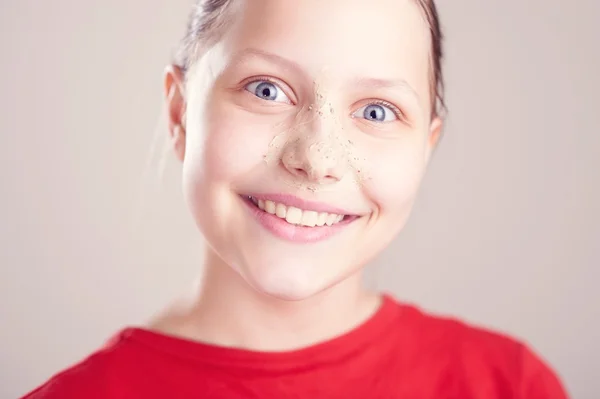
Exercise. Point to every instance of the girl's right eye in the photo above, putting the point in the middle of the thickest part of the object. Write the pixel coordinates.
(268, 91)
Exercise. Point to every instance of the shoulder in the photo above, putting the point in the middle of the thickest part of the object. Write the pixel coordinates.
(489, 357)
(92, 377)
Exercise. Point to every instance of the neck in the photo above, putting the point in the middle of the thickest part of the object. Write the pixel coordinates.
(228, 312)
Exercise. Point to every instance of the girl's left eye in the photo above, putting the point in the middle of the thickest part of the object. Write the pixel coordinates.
(268, 91)
(376, 113)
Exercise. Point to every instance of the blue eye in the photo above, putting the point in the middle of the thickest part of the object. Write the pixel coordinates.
(267, 91)
(376, 113)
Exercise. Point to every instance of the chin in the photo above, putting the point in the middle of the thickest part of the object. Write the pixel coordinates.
(288, 282)
(295, 279)
(291, 295)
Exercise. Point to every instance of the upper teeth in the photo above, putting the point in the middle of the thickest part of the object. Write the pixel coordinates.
(298, 216)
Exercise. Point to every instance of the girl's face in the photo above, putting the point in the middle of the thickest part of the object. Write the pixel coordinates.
(305, 113)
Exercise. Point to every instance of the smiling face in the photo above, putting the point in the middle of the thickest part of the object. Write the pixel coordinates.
(308, 131)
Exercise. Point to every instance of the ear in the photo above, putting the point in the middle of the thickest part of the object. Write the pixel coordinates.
(435, 134)
(175, 99)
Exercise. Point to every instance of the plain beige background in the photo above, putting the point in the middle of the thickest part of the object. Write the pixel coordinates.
(506, 233)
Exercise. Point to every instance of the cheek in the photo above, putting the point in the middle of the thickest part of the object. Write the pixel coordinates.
(395, 175)
(226, 145)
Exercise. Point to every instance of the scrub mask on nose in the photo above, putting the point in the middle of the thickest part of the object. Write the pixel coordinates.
(330, 145)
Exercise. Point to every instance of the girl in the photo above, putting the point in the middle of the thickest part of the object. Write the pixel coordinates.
(304, 129)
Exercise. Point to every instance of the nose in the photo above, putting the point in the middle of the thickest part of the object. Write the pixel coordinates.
(317, 158)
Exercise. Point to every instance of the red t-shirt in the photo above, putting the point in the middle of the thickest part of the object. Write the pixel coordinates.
(400, 352)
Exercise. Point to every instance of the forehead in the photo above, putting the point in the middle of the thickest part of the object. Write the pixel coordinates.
(381, 39)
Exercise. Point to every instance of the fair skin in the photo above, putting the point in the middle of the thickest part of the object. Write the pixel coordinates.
(272, 109)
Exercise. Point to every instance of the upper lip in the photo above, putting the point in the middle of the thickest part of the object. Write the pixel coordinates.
(305, 205)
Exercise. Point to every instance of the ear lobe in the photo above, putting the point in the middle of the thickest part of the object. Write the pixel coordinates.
(175, 101)
(435, 134)
(178, 140)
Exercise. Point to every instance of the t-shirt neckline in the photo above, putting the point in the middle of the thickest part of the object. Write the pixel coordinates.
(329, 350)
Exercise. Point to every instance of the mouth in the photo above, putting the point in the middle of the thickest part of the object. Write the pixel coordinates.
(296, 216)
(300, 222)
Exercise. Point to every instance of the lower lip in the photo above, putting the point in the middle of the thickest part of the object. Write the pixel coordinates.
(300, 234)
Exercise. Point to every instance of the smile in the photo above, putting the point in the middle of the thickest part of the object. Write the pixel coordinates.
(297, 216)
(296, 220)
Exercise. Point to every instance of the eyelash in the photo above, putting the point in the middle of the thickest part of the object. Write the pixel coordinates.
(261, 79)
(264, 78)
(397, 111)
(282, 86)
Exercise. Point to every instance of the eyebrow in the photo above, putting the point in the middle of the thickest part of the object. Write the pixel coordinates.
(377, 83)
(242, 55)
